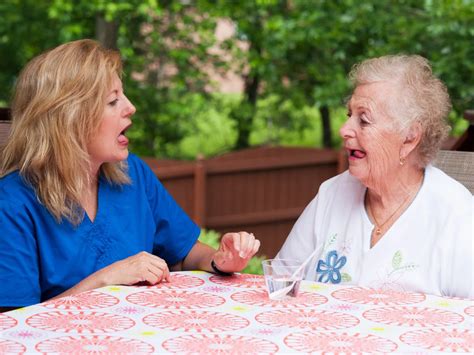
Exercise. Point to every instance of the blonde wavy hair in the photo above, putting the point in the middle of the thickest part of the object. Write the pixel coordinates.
(57, 106)
(420, 97)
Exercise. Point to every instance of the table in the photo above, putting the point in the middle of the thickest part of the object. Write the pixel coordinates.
(198, 312)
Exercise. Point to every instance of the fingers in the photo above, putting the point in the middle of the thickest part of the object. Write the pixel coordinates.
(159, 267)
(243, 244)
(147, 267)
(154, 275)
(246, 242)
(247, 245)
(256, 246)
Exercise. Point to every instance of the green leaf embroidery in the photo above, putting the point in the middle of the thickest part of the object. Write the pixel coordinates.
(346, 277)
(402, 268)
(408, 267)
(331, 240)
(397, 259)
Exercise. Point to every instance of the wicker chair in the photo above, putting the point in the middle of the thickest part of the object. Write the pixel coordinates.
(5, 124)
(4, 131)
(457, 164)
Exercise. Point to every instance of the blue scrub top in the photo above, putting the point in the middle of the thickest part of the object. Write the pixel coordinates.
(40, 258)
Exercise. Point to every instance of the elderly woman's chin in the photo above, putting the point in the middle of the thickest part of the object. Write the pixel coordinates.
(358, 170)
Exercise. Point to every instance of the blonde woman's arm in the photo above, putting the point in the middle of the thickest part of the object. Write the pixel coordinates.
(141, 267)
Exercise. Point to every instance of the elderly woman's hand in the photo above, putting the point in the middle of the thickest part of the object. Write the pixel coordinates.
(235, 251)
(141, 267)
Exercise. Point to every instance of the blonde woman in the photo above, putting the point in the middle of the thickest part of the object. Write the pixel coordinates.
(392, 220)
(77, 211)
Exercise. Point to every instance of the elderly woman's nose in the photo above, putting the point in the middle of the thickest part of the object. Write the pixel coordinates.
(346, 131)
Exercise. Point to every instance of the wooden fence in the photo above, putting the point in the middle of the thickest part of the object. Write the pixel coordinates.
(260, 190)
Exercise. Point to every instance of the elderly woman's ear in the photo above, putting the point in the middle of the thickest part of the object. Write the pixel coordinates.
(411, 140)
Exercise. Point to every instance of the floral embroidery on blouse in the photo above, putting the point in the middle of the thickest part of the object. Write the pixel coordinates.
(392, 277)
(329, 269)
(398, 264)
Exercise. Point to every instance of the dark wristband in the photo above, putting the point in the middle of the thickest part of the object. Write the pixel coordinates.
(219, 272)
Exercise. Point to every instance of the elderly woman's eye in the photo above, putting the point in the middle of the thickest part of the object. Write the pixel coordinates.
(364, 120)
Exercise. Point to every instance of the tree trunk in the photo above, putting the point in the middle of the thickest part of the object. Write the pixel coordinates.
(106, 32)
(326, 125)
(247, 111)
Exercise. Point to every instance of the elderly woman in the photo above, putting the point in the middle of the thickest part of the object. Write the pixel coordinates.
(77, 211)
(392, 220)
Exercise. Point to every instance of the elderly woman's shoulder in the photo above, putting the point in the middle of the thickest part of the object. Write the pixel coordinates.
(446, 189)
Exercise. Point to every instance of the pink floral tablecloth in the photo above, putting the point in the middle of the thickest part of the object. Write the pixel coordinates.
(199, 312)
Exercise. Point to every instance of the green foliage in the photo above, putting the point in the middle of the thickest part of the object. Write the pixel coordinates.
(303, 50)
(254, 266)
(294, 61)
(165, 46)
(212, 239)
(458, 124)
(24, 33)
(279, 121)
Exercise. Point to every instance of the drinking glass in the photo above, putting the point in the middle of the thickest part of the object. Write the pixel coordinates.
(282, 277)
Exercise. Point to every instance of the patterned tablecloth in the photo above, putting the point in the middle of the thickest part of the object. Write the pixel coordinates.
(199, 312)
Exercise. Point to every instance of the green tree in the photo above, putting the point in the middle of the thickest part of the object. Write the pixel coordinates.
(24, 32)
(449, 47)
(293, 55)
(165, 46)
(250, 18)
(302, 50)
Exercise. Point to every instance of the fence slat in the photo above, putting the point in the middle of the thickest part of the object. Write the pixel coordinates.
(254, 218)
(200, 193)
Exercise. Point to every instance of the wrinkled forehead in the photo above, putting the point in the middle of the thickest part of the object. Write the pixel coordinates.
(356, 101)
(375, 97)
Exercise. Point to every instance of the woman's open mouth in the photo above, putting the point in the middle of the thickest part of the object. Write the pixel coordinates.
(122, 138)
(356, 154)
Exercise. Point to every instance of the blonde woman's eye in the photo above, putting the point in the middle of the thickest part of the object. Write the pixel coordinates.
(113, 102)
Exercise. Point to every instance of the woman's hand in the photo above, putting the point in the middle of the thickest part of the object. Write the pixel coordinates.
(235, 251)
(141, 267)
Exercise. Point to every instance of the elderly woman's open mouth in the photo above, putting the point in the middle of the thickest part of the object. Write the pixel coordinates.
(356, 154)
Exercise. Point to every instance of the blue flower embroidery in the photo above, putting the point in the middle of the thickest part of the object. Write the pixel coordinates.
(329, 269)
